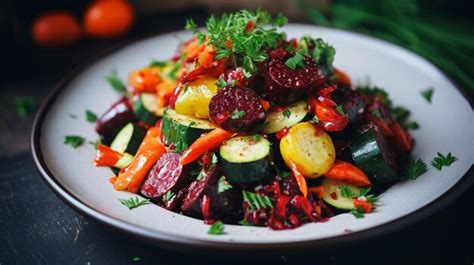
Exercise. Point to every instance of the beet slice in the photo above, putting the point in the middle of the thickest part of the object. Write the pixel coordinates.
(166, 175)
(117, 116)
(236, 109)
(352, 103)
(225, 205)
(284, 85)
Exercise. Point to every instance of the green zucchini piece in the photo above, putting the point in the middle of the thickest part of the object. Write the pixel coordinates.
(128, 139)
(124, 161)
(146, 108)
(277, 120)
(332, 194)
(245, 159)
(181, 130)
(372, 155)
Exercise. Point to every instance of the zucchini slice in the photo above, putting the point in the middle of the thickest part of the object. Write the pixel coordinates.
(146, 108)
(124, 161)
(128, 139)
(182, 130)
(277, 120)
(245, 159)
(332, 194)
(372, 155)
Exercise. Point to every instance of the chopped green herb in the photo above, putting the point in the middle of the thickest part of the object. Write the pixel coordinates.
(428, 94)
(159, 64)
(190, 24)
(368, 197)
(73, 140)
(377, 92)
(295, 61)
(116, 83)
(237, 114)
(280, 20)
(255, 137)
(314, 120)
(415, 169)
(287, 113)
(244, 222)
(358, 213)
(347, 192)
(214, 159)
(192, 124)
(221, 82)
(340, 109)
(134, 202)
(201, 175)
(257, 201)
(284, 174)
(167, 196)
(91, 116)
(443, 161)
(174, 71)
(399, 113)
(223, 185)
(376, 113)
(323, 54)
(136, 259)
(24, 105)
(412, 125)
(216, 229)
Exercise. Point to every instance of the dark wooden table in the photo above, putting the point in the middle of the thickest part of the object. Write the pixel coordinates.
(37, 228)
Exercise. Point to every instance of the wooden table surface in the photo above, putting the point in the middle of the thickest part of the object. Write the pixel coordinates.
(37, 228)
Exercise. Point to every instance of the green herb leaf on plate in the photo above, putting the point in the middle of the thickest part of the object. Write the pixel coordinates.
(74, 140)
(115, 82)
(415, 169)
(428, 94)
(134, 202)
(216, 229)
(257, 201)
(443, 161)
(223, 185)
(91, 116)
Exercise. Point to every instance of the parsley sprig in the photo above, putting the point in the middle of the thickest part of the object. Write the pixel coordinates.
(244, 34)
(443, 161)
(134, 202)
(115, 82)
(91, 116)
(237, 114)
(223, 185)
(216, 229)
(428, 94)
(415, 169)
(74, 140)
(257, 201)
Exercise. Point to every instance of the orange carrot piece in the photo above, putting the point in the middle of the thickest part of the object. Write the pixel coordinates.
(206, 142)
(319, 191)
(206, 57)
(106, 156)
(342, 78)
(150, 150)
(299, 178)
(344, 171)
(145, 79)
(265, 104)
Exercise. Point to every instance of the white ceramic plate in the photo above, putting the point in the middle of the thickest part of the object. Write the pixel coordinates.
(446, 125)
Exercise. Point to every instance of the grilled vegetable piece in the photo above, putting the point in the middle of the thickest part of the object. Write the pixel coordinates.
(332, 194)
(349, 173)
(286, 117)
(236, 109)
(195, 97)
(117, 116)
(166, 175)
(180, 131)
(107, 157)
(372, 155)
(128, 139)
(146, 108)
(145, 79)
(224, 205)
(208, 142)
(284, 85)
(351, 102)
(308, 146)
(245, 159)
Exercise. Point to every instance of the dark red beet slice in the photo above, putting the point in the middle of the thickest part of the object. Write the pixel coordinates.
(224, 205)
(166, 175)
(351, 101)
(236, 109)
(284, 85)
(119, 114)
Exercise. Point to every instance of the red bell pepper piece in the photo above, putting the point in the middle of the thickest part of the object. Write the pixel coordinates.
(361, 204)
(299, 179)
(347, 172)
(106, 156)
(329, 118)
(206, 142)
(151, 149)
(402, 139)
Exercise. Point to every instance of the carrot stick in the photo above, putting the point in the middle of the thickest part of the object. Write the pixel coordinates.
(150, 150)
(106, 156)
(344, 171)
(299, 179)
(207, 142)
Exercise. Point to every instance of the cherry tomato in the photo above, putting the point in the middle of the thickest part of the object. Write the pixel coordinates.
(56, 29)
(107, 19)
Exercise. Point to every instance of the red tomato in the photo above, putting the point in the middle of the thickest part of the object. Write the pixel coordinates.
(56, 29)
(107, 19)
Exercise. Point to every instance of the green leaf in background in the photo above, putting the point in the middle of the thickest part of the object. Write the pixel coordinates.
(24, 105)
(421, 26)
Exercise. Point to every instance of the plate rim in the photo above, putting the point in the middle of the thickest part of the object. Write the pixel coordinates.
(192, 244)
